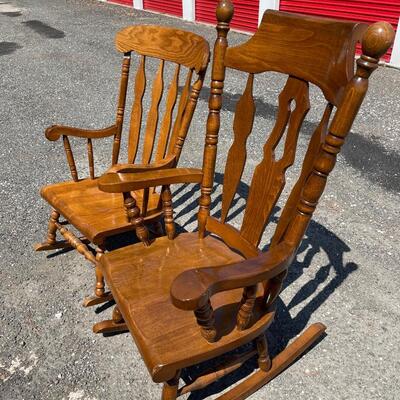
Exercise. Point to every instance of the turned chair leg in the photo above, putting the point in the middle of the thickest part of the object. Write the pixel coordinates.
(116, 324)
(51, 243)
(264, 361)
(170, 388)
(100, 295)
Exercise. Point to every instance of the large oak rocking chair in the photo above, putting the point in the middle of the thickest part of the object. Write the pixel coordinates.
(190, 297)
(96, 214)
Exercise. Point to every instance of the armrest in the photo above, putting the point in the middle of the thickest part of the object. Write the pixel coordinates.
(55, 131)
(126, 182)
(167, 162)
(193, 288)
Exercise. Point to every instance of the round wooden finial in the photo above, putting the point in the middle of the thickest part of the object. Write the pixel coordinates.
(224, 11)
(377, 39)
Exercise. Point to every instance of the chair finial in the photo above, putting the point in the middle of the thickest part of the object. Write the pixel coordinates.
(224, 11)
(377, 39)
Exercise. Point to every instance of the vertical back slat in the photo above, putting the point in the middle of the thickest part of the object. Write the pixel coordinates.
(70, 158)
(137, 111)
(269, 176)
(242, 126)
(187, 116)
(152, 119)
(90, 158)
(169, 109)
(316, 141)
(181, 109)
(121, 106)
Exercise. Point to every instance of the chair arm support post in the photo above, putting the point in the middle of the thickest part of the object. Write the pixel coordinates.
(134, 217)
(192, 289)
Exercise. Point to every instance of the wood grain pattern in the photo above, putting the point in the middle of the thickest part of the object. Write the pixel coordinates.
(165, 128)
(98, 214)
(294, 45)
(213, 293)
(231, 236)
(269, 176)
(137, 111)
(316, 141)
(180, 47)
(126, 182)
(152, 119)
(54, 132)
(242, 126)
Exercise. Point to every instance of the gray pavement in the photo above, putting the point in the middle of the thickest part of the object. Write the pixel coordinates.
(58, 65)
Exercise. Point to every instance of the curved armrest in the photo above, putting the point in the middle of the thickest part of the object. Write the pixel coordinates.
(55, 131)
(193, 288)
(127, 181)
(167, 162)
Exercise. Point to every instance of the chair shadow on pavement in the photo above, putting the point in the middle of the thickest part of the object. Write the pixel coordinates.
(310, 296)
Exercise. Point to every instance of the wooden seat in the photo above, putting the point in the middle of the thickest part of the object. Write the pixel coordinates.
(190, 297)
(141, 279)
(97, 215)
(82, 202)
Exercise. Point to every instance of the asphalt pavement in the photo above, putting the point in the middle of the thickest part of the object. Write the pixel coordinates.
(58, 64)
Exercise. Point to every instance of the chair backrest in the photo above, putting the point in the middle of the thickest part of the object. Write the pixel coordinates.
(306, 49)
(184, 49)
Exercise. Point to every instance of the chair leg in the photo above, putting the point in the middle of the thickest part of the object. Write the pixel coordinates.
(170, 388)
(264, 361)
(100, 295)
(51, 243)
(116, 324)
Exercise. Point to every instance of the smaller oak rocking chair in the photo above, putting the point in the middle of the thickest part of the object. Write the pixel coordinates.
(190, 297)
(96, 214)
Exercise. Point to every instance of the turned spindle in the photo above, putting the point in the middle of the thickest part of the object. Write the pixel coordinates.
(224, 15)
(134, 217)
(166, 198)
(206, 320)
(246, 308)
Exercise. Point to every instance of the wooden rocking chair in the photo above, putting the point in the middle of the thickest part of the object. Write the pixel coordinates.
(190, 297)
(98, 215)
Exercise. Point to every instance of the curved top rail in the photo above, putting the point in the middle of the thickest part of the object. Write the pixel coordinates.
(318, 50)
(169, 44)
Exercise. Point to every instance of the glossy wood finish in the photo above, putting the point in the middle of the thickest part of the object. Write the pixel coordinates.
(180, 47)
(302, 47)
(242, 126)
(97, 214)
(140, 279)
(214, 290)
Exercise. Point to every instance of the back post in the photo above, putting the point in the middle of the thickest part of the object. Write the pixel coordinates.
(376, 41)
(224, 13)
(121, 106)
